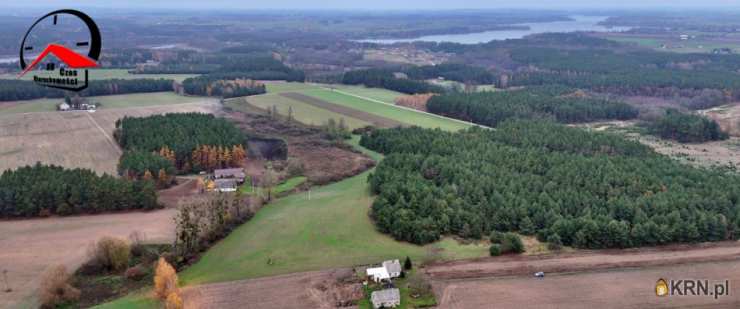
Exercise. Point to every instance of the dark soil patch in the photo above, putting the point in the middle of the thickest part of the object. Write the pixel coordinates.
(374, 119)
(185, 188)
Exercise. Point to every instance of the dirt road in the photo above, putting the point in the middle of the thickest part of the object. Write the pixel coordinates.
(30, 246)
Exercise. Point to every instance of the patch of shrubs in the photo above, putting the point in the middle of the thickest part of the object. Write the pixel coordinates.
(503, 243)
(55, 289)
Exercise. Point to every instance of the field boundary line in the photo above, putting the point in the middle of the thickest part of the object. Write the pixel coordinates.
(107, 137)
(404, 107)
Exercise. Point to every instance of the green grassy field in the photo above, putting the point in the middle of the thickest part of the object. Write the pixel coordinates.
(108, 101)
(296, 234)
(278, 87)
(387, 111)
(101, 74)
(379, 94)
(302, 112)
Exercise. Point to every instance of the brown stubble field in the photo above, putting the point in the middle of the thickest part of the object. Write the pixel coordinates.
(73, 139)
(588, 279)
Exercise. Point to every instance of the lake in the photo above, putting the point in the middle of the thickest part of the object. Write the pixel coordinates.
(579, 23)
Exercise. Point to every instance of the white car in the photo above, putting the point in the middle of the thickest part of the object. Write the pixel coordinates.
(539, 274)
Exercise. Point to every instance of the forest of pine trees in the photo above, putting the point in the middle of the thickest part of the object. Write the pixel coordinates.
(590, 190)
(183, 143)
(13, 90)
(42, 190)
(211, 85)
(558, 102)
(686, 128)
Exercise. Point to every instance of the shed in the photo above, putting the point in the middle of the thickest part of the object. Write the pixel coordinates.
(64, 107)
(388, 298)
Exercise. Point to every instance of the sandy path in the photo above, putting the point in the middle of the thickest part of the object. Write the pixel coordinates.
(622, 288)
(28, 247)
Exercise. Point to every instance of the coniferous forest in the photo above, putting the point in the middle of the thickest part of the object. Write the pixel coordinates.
(591, 190)
(558, 102)
(13, 90)
(686, 128)
(43, 190)
(187, 141)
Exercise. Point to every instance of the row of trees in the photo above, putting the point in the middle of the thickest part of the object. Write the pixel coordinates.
(383, 78)
(172, 140)
(686, 128)
(490, 108)
(208, 85)
(589, 191)
(43, 190)
(14, 90)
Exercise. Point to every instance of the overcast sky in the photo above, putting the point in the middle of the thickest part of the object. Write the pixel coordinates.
(376, 4)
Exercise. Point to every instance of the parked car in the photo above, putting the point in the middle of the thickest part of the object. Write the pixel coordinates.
(539, 274)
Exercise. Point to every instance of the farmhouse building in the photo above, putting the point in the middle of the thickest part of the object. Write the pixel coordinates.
(230, 173)
(225, 185)
(378, 274)
(388, 298)
(393, 267)
(388, 270)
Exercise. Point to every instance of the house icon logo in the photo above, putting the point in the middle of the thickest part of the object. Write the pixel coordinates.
(69, 44)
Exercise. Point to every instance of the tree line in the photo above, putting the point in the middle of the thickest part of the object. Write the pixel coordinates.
(15, 90)
(561, 103)
(182, 142)
(686, 128)
(43, 190)
(384, 78)
(588, 190)
(211, 85)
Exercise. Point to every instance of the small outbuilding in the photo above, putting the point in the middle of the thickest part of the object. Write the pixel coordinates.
(64, 107)
(388, 298)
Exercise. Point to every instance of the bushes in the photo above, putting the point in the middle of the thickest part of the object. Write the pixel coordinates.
(165, 280)
(135, 273)
(554, 242)
(495, 249)
(503, 243)
(55, 288)
(112, 253)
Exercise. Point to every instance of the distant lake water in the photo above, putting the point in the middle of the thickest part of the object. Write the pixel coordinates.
(579, 23)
